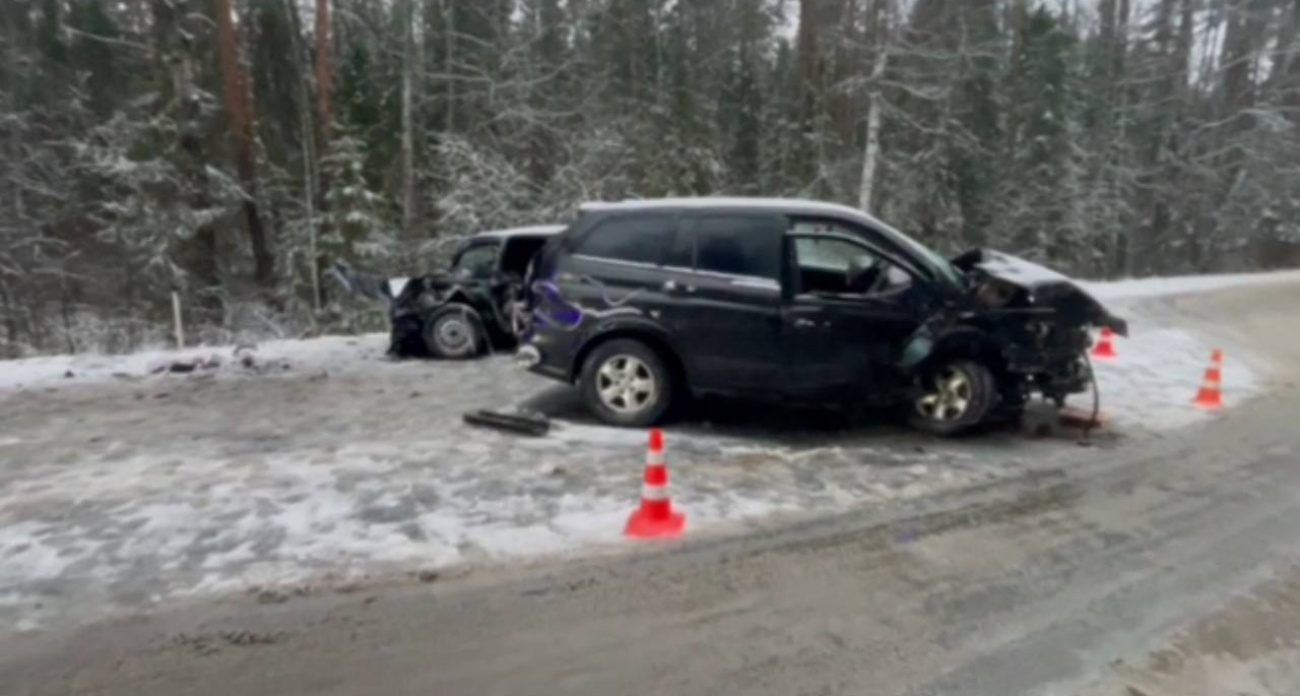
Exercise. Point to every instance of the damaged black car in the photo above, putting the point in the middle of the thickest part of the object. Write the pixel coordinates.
(475, 306)
(641, 302)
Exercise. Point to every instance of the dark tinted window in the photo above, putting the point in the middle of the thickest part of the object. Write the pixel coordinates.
(519, 252)
(640, 239)
(478, 260)
(739, 245)
(681, 248)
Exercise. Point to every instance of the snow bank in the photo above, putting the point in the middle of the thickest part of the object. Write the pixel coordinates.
(1151, 384)
(1182, 285)
(288, 355)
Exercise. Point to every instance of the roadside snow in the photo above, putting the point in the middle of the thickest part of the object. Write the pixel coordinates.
(288, 355)
(1182, 285)
(1152, 383)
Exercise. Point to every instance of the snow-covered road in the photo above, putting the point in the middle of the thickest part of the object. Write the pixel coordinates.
(328, 463)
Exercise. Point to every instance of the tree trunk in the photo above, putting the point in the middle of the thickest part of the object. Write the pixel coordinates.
(15, 140)
(449, 65)
(309, 135)
(324, 75)
(809, 91)
(11, 321)
(411, 62)
(871, 151)
(239, 114)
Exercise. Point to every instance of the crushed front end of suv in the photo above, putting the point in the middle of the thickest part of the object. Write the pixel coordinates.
(475, 305)
(643, 301)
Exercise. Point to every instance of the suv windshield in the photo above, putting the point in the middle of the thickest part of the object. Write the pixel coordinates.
(926, 260)
(939, 267)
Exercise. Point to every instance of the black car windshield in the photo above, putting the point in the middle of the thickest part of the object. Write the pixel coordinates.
(939, 267)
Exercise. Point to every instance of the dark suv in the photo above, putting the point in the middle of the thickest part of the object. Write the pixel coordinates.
(644, 301)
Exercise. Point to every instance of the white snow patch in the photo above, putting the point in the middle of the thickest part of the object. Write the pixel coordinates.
(327, 352)
(1182, 285)
(26, 557)
(1152, 383)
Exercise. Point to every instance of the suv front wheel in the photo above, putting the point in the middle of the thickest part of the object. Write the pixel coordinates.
(625, 382)
(953, 398)
(454, 332)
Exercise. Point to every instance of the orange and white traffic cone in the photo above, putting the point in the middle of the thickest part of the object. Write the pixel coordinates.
(1105, 348)
(1210, 395)
(655, 518)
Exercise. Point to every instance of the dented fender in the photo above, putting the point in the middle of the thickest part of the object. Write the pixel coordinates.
(941, 330)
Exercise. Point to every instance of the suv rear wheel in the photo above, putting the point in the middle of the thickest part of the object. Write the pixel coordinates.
(625, 382)
(454, 332)
(954, 397)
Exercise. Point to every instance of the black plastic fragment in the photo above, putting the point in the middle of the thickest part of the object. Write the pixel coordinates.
(523, 424)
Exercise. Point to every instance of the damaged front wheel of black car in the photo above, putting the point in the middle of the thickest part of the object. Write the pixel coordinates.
(953, 397)
(454, 332)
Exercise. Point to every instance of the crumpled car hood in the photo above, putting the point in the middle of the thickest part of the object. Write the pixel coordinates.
(1047, 287)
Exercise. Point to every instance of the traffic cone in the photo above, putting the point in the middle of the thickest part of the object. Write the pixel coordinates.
(656, 517)
(1105, 348)
(1211, 395)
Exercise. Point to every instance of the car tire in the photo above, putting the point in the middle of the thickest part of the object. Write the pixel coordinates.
(454, 332)
(953, 398)
(625, 382)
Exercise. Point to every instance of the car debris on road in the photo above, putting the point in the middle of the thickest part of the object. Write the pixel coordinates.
(534, 424)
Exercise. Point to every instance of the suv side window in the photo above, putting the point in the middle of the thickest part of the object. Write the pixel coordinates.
(636, 239)
(833, 266)
(477, 260)
(741, 245)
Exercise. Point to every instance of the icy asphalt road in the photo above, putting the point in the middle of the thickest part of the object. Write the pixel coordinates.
(1155, 564)
(122, 490)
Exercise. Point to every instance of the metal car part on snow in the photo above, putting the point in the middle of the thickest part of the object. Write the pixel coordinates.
(808, 301)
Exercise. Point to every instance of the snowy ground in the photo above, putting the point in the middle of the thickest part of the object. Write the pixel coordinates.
(324, 462)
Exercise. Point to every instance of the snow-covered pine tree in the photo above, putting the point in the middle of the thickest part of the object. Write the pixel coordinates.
(355, 225)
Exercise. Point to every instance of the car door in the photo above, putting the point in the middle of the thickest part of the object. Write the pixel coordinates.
(613, 271)
(838, 337)
(728, 319)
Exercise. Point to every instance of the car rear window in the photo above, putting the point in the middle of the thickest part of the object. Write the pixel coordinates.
(743, 245)
(638, 239)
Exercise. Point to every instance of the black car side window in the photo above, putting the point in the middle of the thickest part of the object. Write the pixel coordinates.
(477, 260)
(835, 266)
(637, 239)
(742, 245)
(680, 251)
